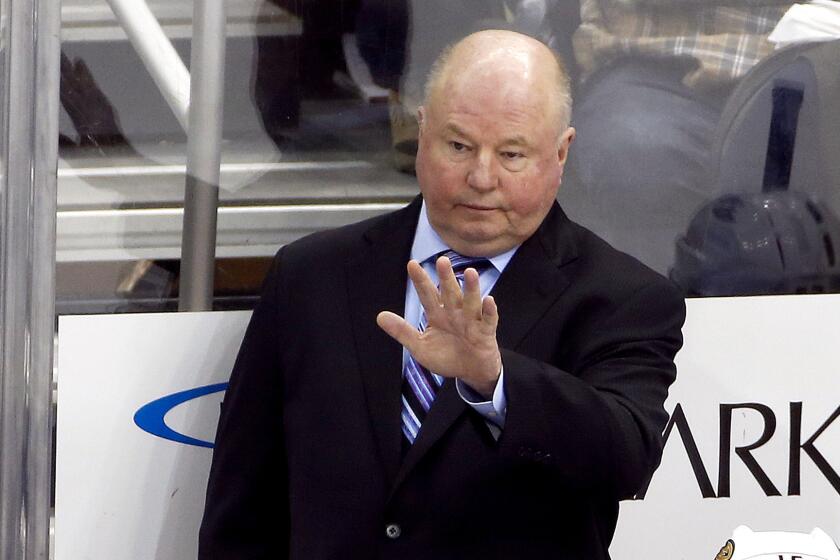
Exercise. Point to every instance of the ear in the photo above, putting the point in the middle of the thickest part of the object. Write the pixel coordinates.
(421, 119)
(563, 144)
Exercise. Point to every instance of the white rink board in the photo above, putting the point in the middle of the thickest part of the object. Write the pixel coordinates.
(769, 351)
(124, 494)
(121, 493)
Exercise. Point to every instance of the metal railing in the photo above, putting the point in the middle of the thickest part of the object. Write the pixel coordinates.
(201, 200)
(27, 273)
(30, 31)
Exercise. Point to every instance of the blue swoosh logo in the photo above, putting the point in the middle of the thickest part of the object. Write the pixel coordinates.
(150, 417)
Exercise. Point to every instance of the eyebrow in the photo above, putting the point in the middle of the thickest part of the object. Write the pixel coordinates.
(457, 130)
(516, 140)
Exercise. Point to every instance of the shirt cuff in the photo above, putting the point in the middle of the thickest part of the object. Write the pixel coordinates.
(493, 411)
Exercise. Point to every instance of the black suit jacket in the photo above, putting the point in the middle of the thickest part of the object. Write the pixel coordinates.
(307, 463)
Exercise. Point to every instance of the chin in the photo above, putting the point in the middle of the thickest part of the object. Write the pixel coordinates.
(475, 239)
(481, 246)
(476, 236)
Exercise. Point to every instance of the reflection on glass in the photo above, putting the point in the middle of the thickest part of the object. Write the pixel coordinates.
(304, 148)
(673, 112)
(673, 104)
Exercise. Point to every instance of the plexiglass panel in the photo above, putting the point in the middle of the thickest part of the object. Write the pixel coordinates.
(702, 141)
(304, 148)
(703, 148)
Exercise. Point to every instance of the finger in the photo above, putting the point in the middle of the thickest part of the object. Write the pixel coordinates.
(490, 314)
(472, 294)
(426, 289)
(450, 290)
(398, 328)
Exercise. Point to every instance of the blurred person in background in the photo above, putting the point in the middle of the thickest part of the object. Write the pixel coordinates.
(655, 77)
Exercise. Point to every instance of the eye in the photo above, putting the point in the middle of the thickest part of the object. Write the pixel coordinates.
(512, 155)
(457, 146)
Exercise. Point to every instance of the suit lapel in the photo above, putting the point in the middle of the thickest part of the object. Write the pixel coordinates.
(448, 406)
(376, 278)
(534, 279)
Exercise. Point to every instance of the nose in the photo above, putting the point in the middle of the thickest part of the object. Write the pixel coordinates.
(483, 175)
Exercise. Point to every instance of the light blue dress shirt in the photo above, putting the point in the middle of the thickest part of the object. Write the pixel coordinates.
(427, 244)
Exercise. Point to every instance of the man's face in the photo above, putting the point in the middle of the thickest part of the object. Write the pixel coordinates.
(490, 160)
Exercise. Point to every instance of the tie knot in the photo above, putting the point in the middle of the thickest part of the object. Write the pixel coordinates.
(460, 262)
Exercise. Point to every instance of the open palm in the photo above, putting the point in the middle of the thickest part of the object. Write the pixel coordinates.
(460, 336)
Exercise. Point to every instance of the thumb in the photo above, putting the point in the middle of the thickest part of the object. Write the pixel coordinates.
(398, 328)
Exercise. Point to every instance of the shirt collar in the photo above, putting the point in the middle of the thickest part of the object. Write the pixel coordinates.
(427, 244)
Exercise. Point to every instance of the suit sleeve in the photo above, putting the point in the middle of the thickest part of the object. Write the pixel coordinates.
(599, 423)
(246, 510)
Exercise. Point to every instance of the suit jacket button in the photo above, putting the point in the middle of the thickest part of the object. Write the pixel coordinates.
(393, 531)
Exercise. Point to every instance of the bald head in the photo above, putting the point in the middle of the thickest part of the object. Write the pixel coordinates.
(508, 58)
(493, 141)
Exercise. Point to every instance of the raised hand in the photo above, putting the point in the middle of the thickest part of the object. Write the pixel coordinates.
(460, 337)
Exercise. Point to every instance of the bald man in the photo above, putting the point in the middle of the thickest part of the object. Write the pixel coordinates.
(473, 376)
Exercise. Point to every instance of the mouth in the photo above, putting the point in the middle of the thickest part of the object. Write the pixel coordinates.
(479, 207)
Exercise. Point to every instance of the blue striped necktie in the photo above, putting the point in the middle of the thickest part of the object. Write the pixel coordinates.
(420, 386)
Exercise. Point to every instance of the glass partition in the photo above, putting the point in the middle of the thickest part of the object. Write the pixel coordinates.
(702, 142)
(677, 108)
(703, 148)
(305, 147)
(28, 132)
